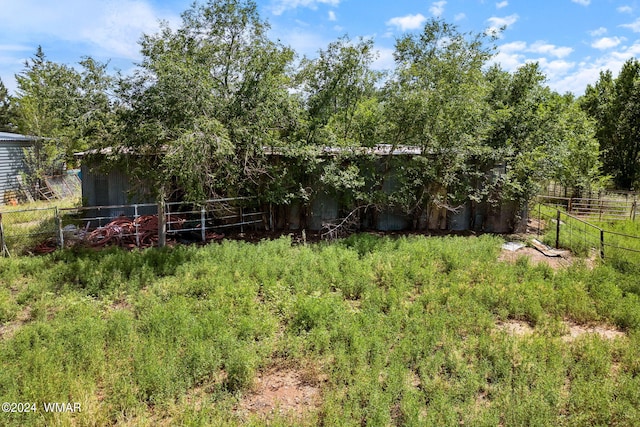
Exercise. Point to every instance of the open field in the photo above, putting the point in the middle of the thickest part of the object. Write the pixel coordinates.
(365, 331)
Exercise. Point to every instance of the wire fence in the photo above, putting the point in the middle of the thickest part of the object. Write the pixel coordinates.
(44, 230)
(560, 229)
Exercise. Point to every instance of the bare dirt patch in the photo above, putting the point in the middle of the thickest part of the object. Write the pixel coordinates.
(284, 391)
(515, 327)
(574, 330)
(604, 331)
(536, 257)
(9, 329)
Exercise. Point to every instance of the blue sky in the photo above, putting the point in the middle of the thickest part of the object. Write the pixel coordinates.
(573, 40)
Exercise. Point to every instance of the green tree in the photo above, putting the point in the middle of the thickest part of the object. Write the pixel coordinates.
(615, 105)
(540, 134)
(69, 110)
(6, 120)
(338, 88)
(339, 95)
(435, 101)
(205, 101)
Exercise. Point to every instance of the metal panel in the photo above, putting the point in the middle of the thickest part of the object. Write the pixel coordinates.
(500, 219)
(323, 208)
(11, 165)
(461, 219)
(392, 219)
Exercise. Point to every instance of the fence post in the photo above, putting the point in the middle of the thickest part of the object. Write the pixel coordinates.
(4, 251)
(136, 225)
(60, 233)
(162, 225)
(271, 217)
(600, 209)
(558, 230)
(203, 216)
(539, 218)
(601, 243)
(634, 207)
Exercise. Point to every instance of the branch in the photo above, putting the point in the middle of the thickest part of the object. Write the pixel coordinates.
(346, 225)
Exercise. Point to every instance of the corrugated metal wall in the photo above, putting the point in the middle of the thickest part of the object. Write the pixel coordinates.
(324, 208)
(107, 189)
(11, 165)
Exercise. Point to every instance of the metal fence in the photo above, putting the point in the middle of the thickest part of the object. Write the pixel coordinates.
(138, 225)
(561, 229)
(600, 209)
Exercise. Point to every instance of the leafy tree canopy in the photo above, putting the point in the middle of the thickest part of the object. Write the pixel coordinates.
(614, 104)
(216, 88)
(68, 109)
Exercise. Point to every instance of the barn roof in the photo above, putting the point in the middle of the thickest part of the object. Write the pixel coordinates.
(378, 150)
(15, 137)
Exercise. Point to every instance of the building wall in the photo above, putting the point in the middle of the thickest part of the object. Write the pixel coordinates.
(114, 188)
(11, 165)
(109, 189)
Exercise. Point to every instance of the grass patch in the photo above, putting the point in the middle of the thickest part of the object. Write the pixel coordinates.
(390, 331)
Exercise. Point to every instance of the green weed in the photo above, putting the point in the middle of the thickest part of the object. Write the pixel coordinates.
(398, 331)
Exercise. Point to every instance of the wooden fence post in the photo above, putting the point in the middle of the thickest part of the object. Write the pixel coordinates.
(558, 230)
(601, 243)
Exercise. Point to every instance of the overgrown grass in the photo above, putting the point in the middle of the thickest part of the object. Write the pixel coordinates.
(621, 238)
(29, 224)
(402, 331)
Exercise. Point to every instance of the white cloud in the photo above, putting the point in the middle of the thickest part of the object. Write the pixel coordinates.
(118, 30)
(625, 9)
(513, 47)
(562, 75)
(509, 61)
(550, 49)
(582, 2)
(555, 69)
(106, 30)
(497, 23)
(460, 17)
(588, 72)
(304, 42)
(409, 22)
(332, 16)
(280, 6)
(437, 8)
(110, 28)
(385, 60)
(634, 26)
(502, 4)
(598, 32)
(514, 54)
(607, 43)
